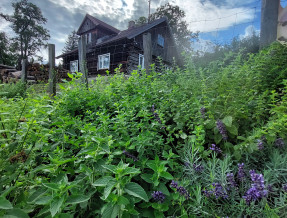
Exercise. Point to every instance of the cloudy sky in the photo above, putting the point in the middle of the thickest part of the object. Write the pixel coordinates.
(217, 20)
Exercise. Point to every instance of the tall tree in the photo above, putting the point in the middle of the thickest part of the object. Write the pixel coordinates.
(178, 25)
(71, 42)
(27, 22)
(7, 53)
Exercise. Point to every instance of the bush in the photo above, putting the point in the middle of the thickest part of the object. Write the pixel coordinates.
(13, 90)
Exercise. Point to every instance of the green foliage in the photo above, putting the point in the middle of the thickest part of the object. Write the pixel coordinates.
(107, 150)
(13, 90)
(7, 54)
(72, 42)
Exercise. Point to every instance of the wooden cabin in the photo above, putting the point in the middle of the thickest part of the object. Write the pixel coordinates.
(108, 47)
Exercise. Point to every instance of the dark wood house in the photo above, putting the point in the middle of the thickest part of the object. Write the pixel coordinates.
(108, 47)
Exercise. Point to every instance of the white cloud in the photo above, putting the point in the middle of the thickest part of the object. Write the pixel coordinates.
(249, 31)
(203, 46)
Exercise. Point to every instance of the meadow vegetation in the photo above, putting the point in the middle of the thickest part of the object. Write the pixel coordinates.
(205, 141)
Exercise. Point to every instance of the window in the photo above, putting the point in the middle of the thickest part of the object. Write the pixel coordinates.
(160, 40)
(89, 38)
(141, 60)
(104, 61)
(74, 66)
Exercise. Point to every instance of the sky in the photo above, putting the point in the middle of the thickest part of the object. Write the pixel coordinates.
(218, 21)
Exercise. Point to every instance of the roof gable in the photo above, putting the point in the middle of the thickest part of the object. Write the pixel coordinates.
(89, 22)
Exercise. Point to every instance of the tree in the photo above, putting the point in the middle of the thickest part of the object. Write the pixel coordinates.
(27, 22)
(71, 42)
(178, 25)
(7, 53)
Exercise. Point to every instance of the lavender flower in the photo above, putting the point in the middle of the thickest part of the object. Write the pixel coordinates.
(218, 191)
(207, 193)
(203, 111)
(173, 184)
(257, 190)
(279, 143)
(215, 148)
(270, 188)
(241, 174)
(230, 180)
(157, 118)
(260, 144)
(222, 130)
(198, 167)
(127, 154)
(180, 189)
(284, 187)
(158, 196)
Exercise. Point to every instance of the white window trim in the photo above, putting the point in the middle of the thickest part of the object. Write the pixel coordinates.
(99, 56)
(75, 65)
(141, 56)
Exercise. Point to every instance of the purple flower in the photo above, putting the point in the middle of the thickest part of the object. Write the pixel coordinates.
(222, 130)
(203, 111)
(198, 167)
(173, 184)
(241, 174)
(215, 148)
(284, 187)
(279, 143)
(156, 116)
(218, 191)
(260, 144)
(127, 154)
(207, 193)
(230, 180)
(180, 189)
(257, 190)
(158, 196)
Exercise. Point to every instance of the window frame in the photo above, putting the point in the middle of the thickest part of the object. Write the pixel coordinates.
(75, 65)
(141, 56)
(99, 59)
(160, 40)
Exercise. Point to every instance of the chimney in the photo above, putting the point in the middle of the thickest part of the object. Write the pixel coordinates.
(131, 24)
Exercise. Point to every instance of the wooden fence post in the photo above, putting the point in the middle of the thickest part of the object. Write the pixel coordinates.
(52, 72)
(147, 46)
(82, 59)
(269, 22)
(24, 71)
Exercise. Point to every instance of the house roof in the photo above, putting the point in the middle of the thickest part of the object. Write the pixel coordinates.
(128, 33)
(98, 22)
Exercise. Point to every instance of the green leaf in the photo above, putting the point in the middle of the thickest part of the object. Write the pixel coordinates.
(76, 199)
(130, 170)
(233, 130)
(52, 186)
(136, 190)
(5, 204)
(163, 189)
(102, 182)
(147, 177)
(109, 188)
(111, 211)
(17, 213)
(183, 135)
(43, 200)
(217, 138)
(55, 205)
(36, 195)
(151, 164)
(123, 200)
(166, 175)
(227, 121)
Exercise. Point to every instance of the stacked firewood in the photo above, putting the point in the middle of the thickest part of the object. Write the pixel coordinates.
(9, 74)
(41, 72)
(36, 73)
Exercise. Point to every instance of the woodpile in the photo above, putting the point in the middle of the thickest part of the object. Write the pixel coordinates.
(36, 73)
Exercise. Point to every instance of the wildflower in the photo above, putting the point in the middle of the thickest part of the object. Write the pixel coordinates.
(207, 193)
(215, 148)
(241, 174)
(158, 196)
(230, 180)
(222, 130)
(180, 189)
(284, 186)
(198, 167)
(257, 190)
(127, 154)
(173, 184)
(157, 118)
(218, 191)
(269, 188)
(203, 111)
(260, 144)
(279, 143)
